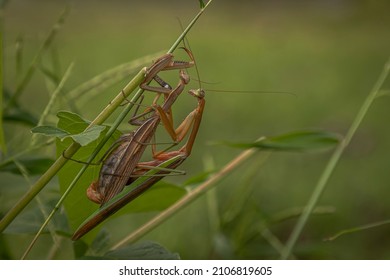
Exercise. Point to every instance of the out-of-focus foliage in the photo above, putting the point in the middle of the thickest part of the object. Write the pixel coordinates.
(327, 53)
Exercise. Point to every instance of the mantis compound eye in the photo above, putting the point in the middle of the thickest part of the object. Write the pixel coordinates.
(199, 93)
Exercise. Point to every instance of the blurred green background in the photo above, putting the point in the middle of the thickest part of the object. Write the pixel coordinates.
(328, 54)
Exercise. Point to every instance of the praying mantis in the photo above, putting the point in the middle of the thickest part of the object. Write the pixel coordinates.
(122, 166)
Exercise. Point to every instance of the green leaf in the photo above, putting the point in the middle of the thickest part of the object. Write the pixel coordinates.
(159, 197)
(101, 243)
(77, 206)
(30, 220)
(34, 166)
(79, 249)
(73, 126)
(293, 141)
(142, 251)
(199, 178)
(88, 136)
(71, 122)
(50, 131)
(201, 4)
(67, 118)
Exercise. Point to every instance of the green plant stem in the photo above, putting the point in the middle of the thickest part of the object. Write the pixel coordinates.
(108, 78)
(320, 187)
(112, 129)
(69, 152)
(117, 101)
(356, 229)
(31, 69)
(189, 26)
(186, 200)
(52, 99)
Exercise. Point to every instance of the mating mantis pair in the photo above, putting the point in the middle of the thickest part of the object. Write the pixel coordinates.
(122, 166)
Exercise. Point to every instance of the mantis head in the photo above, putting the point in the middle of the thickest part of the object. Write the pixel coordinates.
(199, 93)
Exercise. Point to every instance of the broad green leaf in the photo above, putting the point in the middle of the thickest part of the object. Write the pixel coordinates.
(77, 205)
(101, 243)
(158, 197)
(71, 122)
(72, 125)
(67, 118)
(293, 141)
(30, 220)
(34, 166)
(50, 131)
(199, 178)
(27, 223)
(80, 248)
(142, 251)
(91, 134)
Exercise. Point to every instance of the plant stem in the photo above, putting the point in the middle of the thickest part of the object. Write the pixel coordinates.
(320, 187)
(69, 152)
(186, 200)
(102, 116)
(356, 229)
(31, 69)
(50, 104)
(112, 129)
(90, 88)
(189, 26)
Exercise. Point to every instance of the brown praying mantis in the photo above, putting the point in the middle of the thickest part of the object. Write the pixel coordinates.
(127, 151)
(122, 166)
